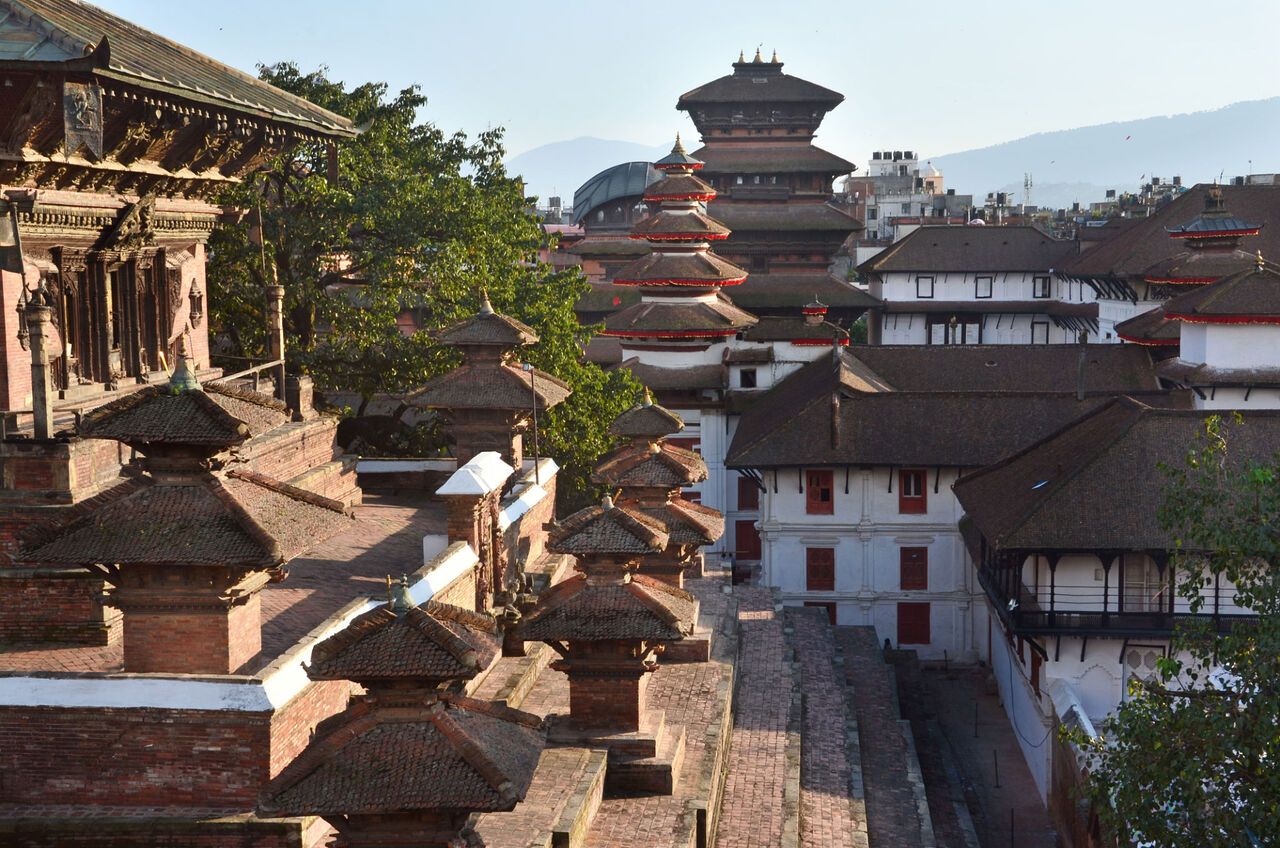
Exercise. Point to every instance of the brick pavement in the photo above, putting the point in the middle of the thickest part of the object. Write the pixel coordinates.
(753, 809)
(827, 817)
(893, 816)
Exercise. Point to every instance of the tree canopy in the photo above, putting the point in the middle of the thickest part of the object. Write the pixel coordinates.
(1191, 757)
(416, 224)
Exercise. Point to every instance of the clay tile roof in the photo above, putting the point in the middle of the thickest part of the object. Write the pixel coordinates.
(434, 643)
(688, 523)
(1149, 328)
(766, 158)
(454, 754)
(218, 416)
(1215, 221)
(485, 386)
(636, 465)
(487, 327)
(970, 249)
(670, 225)
(679, 187)
(741, 216)
(661, 268)
(695, 377)
(640, 608)
(787, 328)
(646, 419)
(1096, 484)
(607, 529)
(1250, 296)
(76, 33)
(238, 520)
(1198, 266)
(778, 290)
(741, 87)
(715, 318)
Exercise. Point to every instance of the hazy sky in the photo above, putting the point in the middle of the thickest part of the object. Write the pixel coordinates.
(934, 75)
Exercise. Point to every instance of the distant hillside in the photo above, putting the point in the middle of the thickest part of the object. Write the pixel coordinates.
(1080, 164)
(560, 167)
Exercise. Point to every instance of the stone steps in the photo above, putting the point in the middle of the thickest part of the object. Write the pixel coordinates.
(559, 807)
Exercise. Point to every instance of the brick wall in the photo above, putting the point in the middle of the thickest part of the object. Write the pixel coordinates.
(49, 832)
(294, 448)
(293, 724)
(214, 640)
(15, 376)
(55, 607)
(59, 472)
(461, 592)
(132, 757)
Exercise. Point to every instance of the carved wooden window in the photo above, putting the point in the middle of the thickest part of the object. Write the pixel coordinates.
(913, 623)
(913, 568)
(820, 569)
(819, 492)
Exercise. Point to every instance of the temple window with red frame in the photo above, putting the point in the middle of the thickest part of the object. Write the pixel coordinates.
(819, 492)
(912, 499)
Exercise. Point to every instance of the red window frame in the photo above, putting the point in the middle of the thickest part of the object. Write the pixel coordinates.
(748, 493)
(913, 623)
(820, 569)
(746, 540)
(913, 569)
(819, 492)
(912, 497)
(826, 605)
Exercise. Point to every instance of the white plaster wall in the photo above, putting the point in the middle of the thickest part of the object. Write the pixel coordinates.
(1242, 399)
(1238, 345)
(1030, 715)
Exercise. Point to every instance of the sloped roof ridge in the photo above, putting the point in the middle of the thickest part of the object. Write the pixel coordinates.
(1135, 409)
(247, 395)
(298, 494)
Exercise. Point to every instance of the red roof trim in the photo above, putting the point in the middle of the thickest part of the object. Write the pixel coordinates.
(669, 334)
(819, 342)
(1181, 281)
(1149, 342)
(679, 236)
(1207, 234)
(675, 166)
(681, 282)
(1224, 319)
(711, 195)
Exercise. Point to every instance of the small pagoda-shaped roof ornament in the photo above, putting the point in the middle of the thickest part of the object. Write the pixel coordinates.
(450, 755)
(1213, 251)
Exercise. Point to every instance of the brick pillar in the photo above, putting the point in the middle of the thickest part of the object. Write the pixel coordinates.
(607, 683)
(174, 621)
(427, 829)
(38, 316)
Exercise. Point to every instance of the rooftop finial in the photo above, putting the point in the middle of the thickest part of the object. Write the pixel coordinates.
(398, 597)
(606, 503)
(486, 308)
(774, 60)
(1260, 260)
(183, 379)
(742, 57)
(757, 60)
(679, 146)
(648, 398)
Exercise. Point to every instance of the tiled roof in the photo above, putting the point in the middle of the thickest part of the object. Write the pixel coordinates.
(741, 87)
(218, 416)
(1244, 297)
(237, 520)
(1215, 222)
(771, 158)
(688, 523)
(1138, 246)
(434, 642)
(75, 33)
(1113, 369)
(485, 386)
(781, 328)
(1149, 328)
(666, 223)
(678, 187)
(640, 608)
(971, 249)
(687, 268)
(773, 290)
(695, 377)
(717, 317)
(639, 465)
(646, 419)
(487, 327)
(1185, 373)
(743, 216)
(453, 754)
(1096, 484)
(607, 530)
(1198, 266)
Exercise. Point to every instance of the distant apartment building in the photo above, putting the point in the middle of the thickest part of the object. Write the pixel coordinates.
(897, 194)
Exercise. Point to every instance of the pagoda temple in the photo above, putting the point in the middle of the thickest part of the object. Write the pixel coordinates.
(775, 186)
(490, 399)
(609, 623)
(191, 545)
(648, 474)
(410, 761)
(1212, 253)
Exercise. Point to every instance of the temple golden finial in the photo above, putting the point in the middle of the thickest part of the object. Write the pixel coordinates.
(774, 60)
(742, 57)
(757, 60)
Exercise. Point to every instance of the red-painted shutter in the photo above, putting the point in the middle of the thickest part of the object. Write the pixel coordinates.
(913, 568)
(912, 499)
(748, 493)
(820, 569)
(913, 623)
(748, 539)
(819, 495)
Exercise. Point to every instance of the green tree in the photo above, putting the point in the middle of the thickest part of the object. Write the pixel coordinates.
(418, 221)
(1191, 758)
